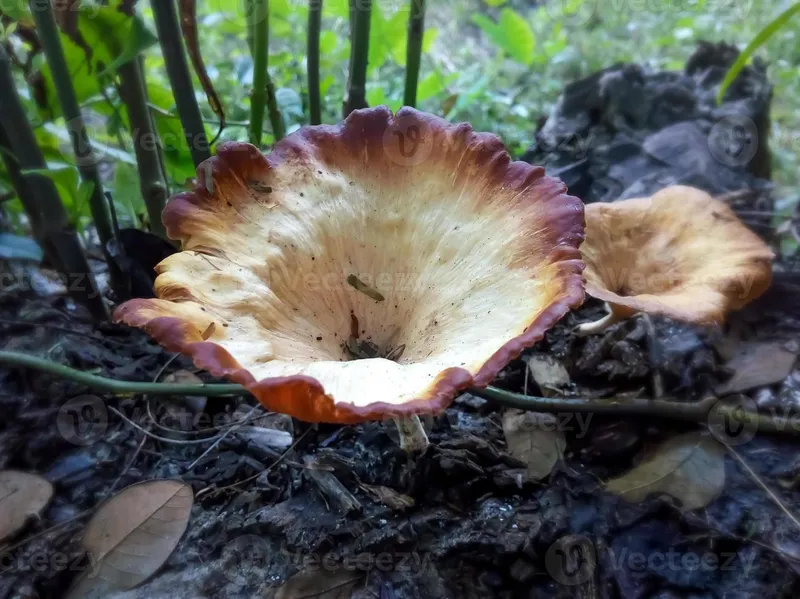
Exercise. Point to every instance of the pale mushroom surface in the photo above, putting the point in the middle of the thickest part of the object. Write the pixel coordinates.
(463, 257)
(680, 253)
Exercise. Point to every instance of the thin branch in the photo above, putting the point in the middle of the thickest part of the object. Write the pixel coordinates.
(312, 60)
(122, 387)
(180, 80)
(416, 30)
(697, 412)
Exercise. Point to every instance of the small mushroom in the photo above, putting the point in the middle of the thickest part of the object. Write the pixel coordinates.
(680, 253)
(466, 256)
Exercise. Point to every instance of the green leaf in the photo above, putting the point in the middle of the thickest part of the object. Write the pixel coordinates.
(139, 39)
(127, 193)
(328, 41)
(17, 10)
(376, 96)
(66, 177)
(19, 248)
(517, 35)
(494, 2)
(106, 32)
(760, 39)
(85, 191)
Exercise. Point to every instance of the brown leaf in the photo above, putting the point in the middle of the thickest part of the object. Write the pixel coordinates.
(132, 535)
(188, 10)
(533, 438)
(320, 584)
(388, 496)
(22, 495)
(549, 374)
(758, 364)
(689, 467)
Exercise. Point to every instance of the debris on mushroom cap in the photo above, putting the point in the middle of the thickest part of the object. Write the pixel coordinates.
(680, 253)
(401, 236)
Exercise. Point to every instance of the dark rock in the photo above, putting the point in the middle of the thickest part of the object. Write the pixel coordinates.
(628, 131)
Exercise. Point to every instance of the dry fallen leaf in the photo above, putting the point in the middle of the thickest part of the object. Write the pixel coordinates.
(22, 495)
(320, 584)
(132, 535)
(689, 467)
(388, 496)
(533, 438)
(758, 364)
(549, 374)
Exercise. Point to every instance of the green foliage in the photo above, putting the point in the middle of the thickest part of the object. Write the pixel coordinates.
(511, 33)
(759, 40)
(74, 193)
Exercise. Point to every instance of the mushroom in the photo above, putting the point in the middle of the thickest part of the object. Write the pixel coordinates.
(368, 270)
(680, 253)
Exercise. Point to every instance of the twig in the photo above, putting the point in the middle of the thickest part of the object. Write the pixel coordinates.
(267, 469)
(696, 412)
(222, 436)
(122, 387)
(761, 484)
(157, 437)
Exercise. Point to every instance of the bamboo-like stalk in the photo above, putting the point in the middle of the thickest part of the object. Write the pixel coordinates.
(84, 153)
(416, 30)
(360, 12)
(146, 144)
(312, 60)
(40, 199)
(180, 80)
(263, 94)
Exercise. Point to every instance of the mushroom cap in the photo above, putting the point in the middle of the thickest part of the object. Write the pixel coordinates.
(680, 253)
(404, 231)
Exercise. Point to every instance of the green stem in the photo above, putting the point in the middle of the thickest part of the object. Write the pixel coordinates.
(180, 79)
(146, 144)
(263, 94)
(416, 29)
(122, 387)
(40, 198)
(361, 11)
(312, 60)
(697, 412)
(84, 153)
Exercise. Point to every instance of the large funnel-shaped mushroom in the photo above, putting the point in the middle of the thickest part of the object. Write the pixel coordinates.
(679, 253)
(404, 238)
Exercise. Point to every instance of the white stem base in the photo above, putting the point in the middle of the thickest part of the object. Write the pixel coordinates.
(598, 326)
(413, 437)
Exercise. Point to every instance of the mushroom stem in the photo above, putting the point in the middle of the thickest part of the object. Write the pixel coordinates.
(598, 326)
(413, 437)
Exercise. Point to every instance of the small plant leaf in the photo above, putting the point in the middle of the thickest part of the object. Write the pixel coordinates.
(533, 438)
(22, 495)
(519, 40)
(759, 40)
(132, 535)
(689, 467)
